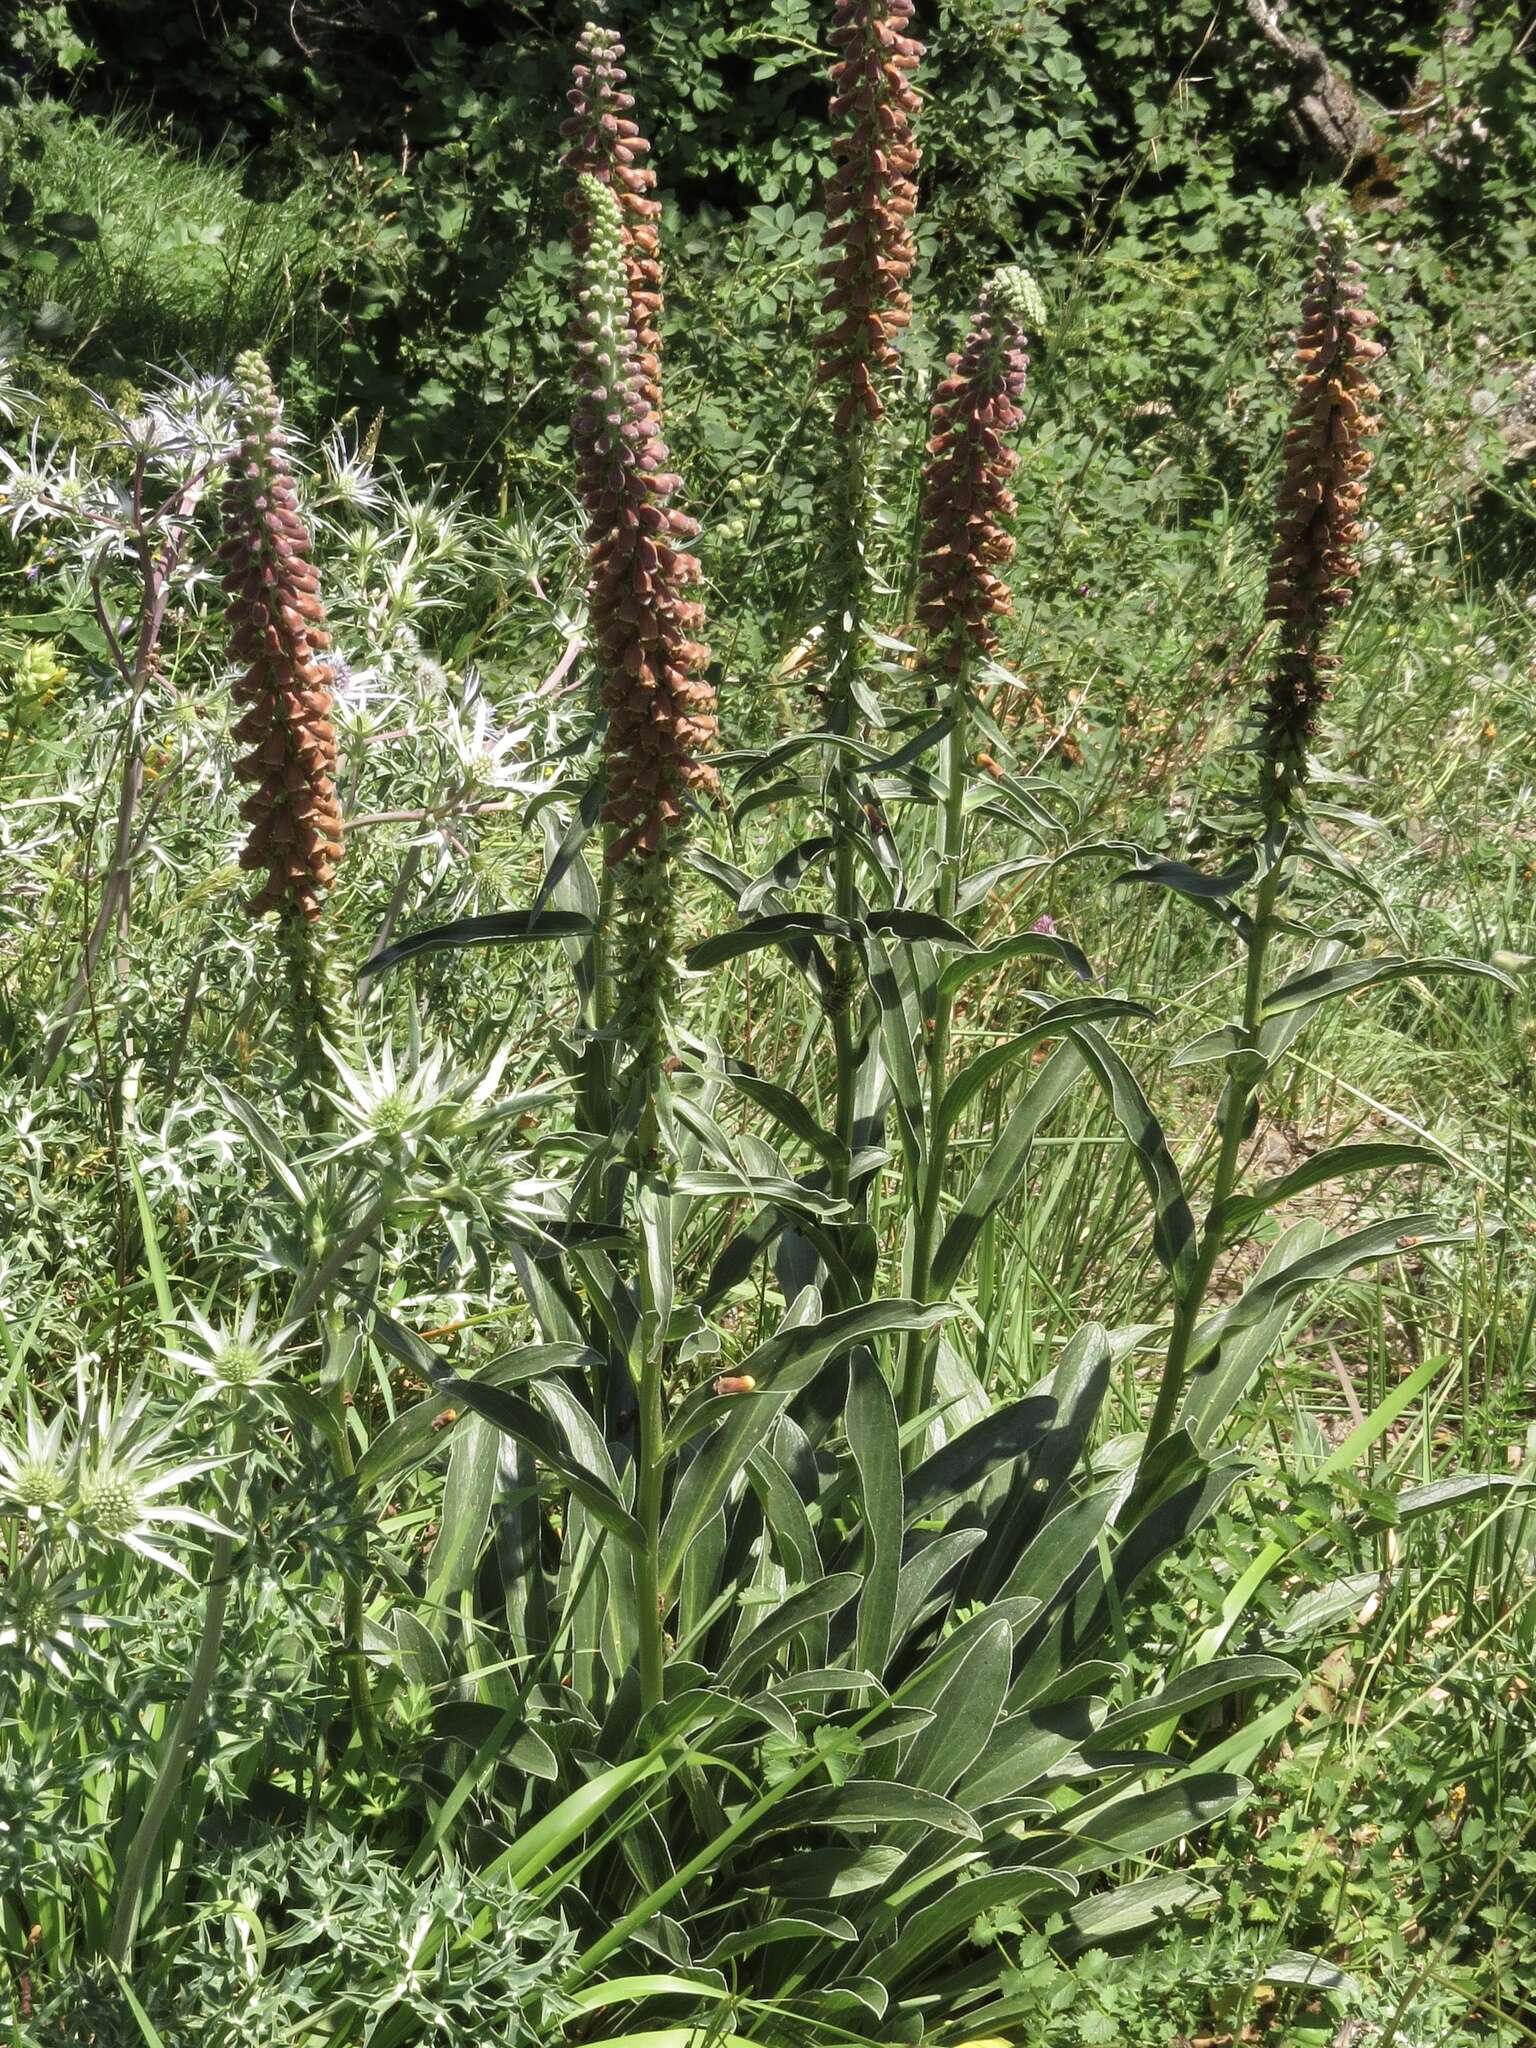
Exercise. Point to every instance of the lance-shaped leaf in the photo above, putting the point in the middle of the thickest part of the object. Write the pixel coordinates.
(1004, 1164)
(1337, 1163)
(782, 1366)
(874, 1440)
(496, 928)
(1350, 976)
(519, 1418)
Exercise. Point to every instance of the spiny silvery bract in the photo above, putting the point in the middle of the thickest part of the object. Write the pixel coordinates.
(120, 1483)
(36, 1470)
(661, 709)
(1315, 559)
(277, 631)
(231, 1357)
(44, 1619)
(966, 500)
(606, 144)
(870, 200)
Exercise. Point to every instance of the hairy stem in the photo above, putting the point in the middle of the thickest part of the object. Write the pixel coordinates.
(921, 1359)
(845, 642)
(144, 1849)
(1242, 1086)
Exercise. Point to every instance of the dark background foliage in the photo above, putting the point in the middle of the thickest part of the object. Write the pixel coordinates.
(1052, 125)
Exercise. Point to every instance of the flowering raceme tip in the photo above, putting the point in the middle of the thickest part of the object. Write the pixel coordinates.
(966, 500)
(661, 708)
(1316, 553)
(870, 200)
(278, 636)
(606, 144)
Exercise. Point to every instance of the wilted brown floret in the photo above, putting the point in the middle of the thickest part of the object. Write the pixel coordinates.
(661, 708)
(966, 499)
(1315, 560)
(606, 144)
(277, 631)
(870, 200)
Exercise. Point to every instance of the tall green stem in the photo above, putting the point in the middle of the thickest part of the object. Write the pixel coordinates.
(353, 1656)
(845, 650)
(144, 1849)
(651, 1449)
(652, 1468)
(1242, 1085)
(921, 1358)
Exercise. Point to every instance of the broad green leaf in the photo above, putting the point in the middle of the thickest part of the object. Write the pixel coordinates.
(787, 1110)
(1145, 1821)
(635, 1990)
(1173, 1226)
(801, 1926)
(822, 1873)
(901, 1031)
(1058, 1020)
(764, 931)
(939, 1924)
(531, 1855)
(466, 1510)
(874, 1440)
(965, 1708)
(1350, 976)
(497, 928)
(1022, 946)
(414, 1434)
(1023, 1747)
(1334, 1164)
(863, 1801)
(784, 874)
(782, 1366)
(1377, 1241)
(1224, 1376)
(999, 1439)
(507, 1411)
(1133, 1908)
(1004, 1164)
(1192, 1690)
(797, 1611)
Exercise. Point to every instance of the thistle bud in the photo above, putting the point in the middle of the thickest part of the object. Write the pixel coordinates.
(277, 633)
(606, 144)
(966, 500)
(870, 200)
(1316, 553)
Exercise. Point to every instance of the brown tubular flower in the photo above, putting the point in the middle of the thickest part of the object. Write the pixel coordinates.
(606, 144)
(277, 632)
(966, 500)
(870, 199)
(1315, 560)
(661, 708)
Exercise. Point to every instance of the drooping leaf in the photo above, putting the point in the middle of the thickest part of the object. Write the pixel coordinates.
(1004, 1163)
(1350, 976)
(1337, 1163)
(496, 928)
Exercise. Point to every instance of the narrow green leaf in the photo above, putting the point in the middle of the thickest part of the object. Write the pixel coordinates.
(874, 1439)
(1335, 1164)
(1133, 1908)
(497, 928)
(1060, 1018)
(1005, 1163)
(1350, 976)
(1022, 946)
